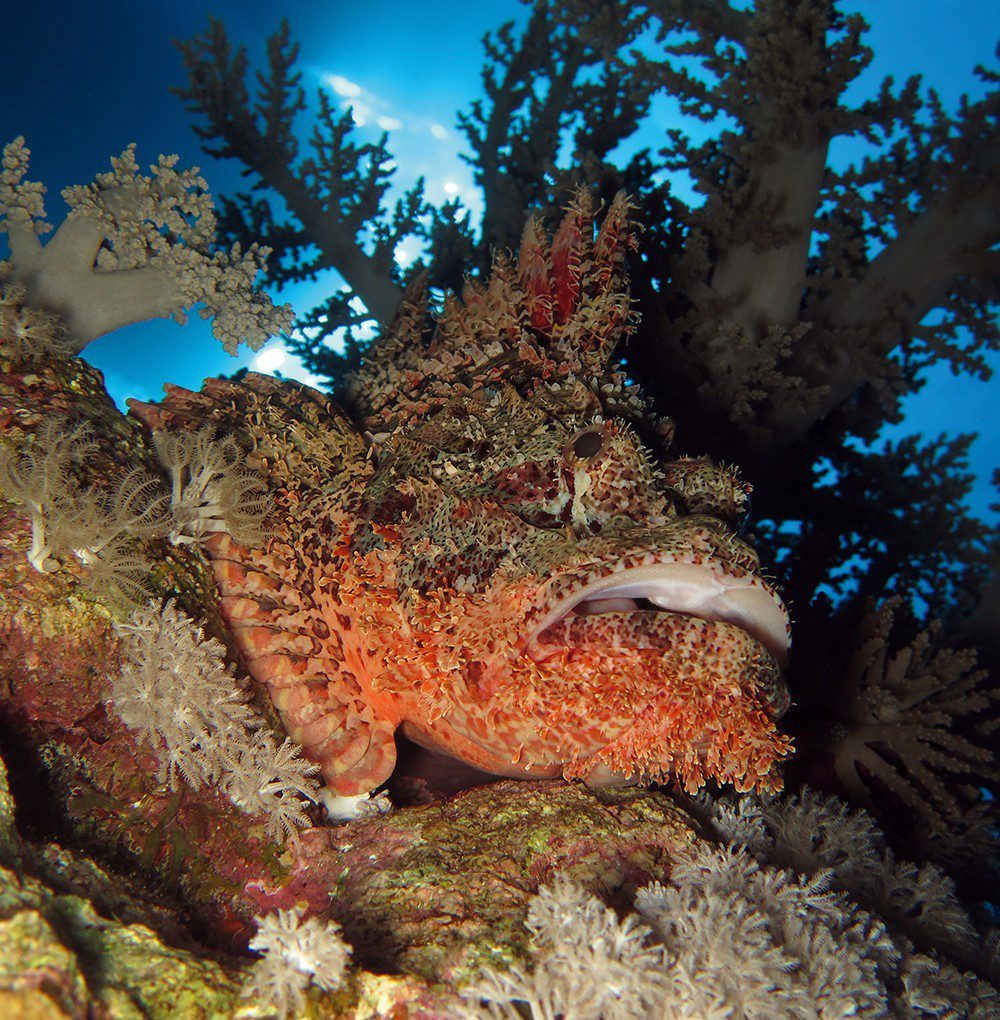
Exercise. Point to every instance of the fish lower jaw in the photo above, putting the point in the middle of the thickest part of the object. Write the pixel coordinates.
(702, 590)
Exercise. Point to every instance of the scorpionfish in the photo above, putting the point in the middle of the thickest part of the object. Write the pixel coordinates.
(487, 547)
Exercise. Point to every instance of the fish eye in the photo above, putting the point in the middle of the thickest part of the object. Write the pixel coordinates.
(586, 444)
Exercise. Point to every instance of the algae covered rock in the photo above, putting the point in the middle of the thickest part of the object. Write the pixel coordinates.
(442, 889)
(427, 895)
(60, 957)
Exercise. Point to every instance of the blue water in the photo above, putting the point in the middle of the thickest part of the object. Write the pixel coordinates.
(82, 81)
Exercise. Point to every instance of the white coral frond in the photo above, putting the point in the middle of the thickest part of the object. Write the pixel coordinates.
(37, 475)
(761, 943)
(263, 777)
(21, 200)
(811, 832)
(117, 576)
(899, 716)
(29, 335)
(209, 491)
(739, 937)
(937, 989)
(295, 954)
(167, 221)
(175, 690)
(589, 965)
(133, 247)
(93, 525)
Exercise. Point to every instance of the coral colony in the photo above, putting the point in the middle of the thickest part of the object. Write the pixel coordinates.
(367, 593)
(488, 545)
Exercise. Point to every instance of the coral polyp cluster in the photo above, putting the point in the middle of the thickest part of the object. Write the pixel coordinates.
(133, 247)
(175, 691)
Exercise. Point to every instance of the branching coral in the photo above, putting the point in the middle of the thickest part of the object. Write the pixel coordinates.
(812, 834)
(339, 187)
(588, 963)
(209, 492)
(176, 691)
(736, 935)
(263, 777)
(296, 953)
(745, 941)
(92, 524)
(133, 247)
(898, 719)
(21, 201)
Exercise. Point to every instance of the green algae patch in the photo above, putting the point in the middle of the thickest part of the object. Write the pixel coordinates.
(442, 890)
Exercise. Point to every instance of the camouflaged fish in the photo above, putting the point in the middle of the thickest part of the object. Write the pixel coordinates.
(489, 551)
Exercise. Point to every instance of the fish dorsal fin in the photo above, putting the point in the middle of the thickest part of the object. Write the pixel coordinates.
(553, 314)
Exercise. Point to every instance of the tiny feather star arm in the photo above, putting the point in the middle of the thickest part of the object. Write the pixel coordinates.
(506, 565)
(133, 247)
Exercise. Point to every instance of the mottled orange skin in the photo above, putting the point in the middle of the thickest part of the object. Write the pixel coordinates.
(501, 469)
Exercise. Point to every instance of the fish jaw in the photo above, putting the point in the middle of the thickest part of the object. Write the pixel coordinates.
(694, 705)
(701, 589)
(686, 660)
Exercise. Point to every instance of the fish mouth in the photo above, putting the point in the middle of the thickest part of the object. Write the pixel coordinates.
(706, 591)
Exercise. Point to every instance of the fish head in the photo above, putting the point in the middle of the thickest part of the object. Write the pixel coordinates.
(540, 590)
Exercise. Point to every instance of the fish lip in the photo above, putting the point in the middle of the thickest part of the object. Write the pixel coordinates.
(707, 589)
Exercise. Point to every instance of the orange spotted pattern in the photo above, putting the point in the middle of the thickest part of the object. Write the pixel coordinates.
(478, 471)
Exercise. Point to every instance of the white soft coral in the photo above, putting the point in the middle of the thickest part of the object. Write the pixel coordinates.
(94, 525)
(588, 964)
(133, 247)
(209, 491)
(295, 954)
(176, 692)
(850, 932)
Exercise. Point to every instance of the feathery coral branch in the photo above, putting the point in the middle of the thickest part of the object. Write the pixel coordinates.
(132, 248)
(208, 492)
(92, 525)
(898, 720)
(295, 953)
(176, 691)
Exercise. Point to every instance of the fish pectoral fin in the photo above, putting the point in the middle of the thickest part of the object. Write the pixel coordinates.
(345, 809)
